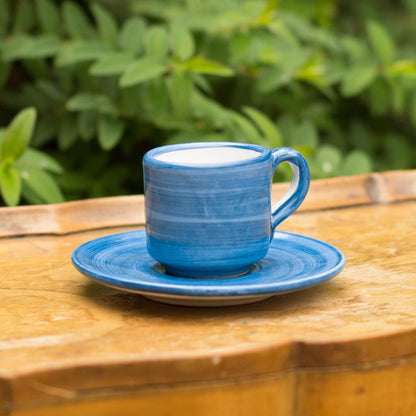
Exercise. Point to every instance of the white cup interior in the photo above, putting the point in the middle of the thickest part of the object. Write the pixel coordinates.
(207, 155)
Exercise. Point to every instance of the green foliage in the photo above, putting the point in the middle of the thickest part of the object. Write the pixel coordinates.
(24, 171)
(109, 80)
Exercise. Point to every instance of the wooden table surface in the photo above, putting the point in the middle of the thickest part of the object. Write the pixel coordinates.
(345, 347)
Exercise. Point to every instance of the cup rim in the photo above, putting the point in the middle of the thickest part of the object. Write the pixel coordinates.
(150, 157)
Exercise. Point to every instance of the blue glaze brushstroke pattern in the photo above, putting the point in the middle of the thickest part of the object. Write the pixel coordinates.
(216, 220)
(293, 262)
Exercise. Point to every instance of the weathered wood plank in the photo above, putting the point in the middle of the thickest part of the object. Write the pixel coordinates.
(68, 217)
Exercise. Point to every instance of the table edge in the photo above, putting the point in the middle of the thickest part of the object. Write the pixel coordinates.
(125, 211)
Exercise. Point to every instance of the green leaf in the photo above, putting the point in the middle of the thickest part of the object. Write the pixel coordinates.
(180, 93)
(141, 70)
(202, 65)
(4, 17)
(67, 133)
(42, 184)
(328, 160)
(75, 21)
(226, 19)
(285, 70)
(397, 95)
(381, 42)
(107, 25)
(87, 102)
(18, 134)
(82, 102)
(410, 5)
(202, 83)
(263, 50)
(334, 71)
(132, 35)
(404, 67)
(183, 45)
(30, 196)
(110, 132)
(244, 48)
(310, 33)
(43, 46)
(157, 99)
(358, 79)
(356, 162)
(210, 112)
(268, 12)
(355, 49)
(325, 12)
(167, 122)
(267, 127)
(24, 16)
(111, 64)
(10, 184)
(299, 133)
(156, 42)
(243, 129)
(306, 151)
(48, 15)
(39, 160)
(25, 47)
(87, 124)
(314, 72)
(281, 29)
(81, 51)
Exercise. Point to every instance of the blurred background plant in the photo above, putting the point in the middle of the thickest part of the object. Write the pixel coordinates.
(110, 79)
(26, 171)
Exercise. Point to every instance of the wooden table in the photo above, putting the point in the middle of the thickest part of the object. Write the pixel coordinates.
(69, 346)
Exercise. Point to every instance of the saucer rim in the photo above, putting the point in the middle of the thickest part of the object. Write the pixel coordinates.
(184, 287)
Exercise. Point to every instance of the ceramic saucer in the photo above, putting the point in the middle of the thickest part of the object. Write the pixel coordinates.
(293, 262)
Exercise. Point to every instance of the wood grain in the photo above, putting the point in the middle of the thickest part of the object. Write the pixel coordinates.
(70, 217)
(347, 347)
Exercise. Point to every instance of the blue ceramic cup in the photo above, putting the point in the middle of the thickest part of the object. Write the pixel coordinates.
(208, 205)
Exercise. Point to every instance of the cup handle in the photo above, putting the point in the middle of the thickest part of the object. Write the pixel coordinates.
(298, 188)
